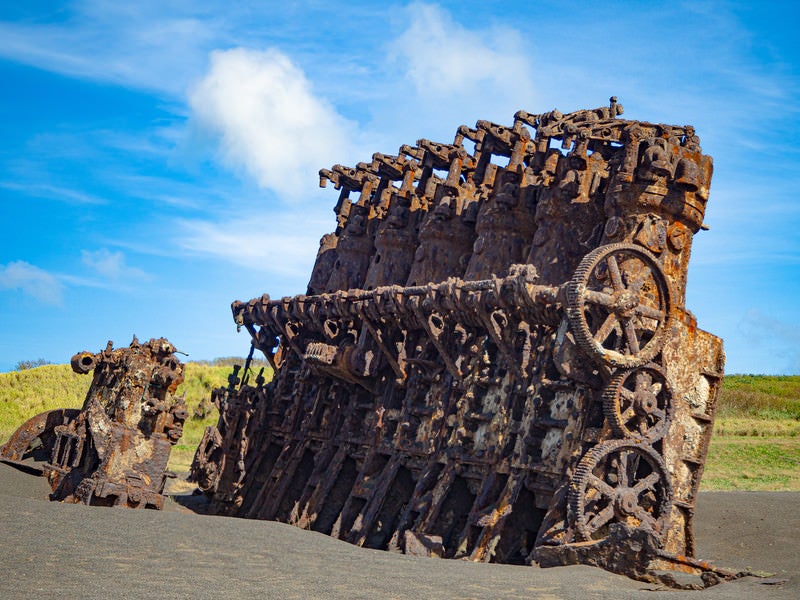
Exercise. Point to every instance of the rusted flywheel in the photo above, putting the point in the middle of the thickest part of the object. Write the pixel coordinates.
(619, 304)
(621, 481)
(36, 437)
(638, 403)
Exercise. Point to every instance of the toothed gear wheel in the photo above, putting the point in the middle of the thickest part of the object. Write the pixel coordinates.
(621, 481)
(619, 304)
(638, 403)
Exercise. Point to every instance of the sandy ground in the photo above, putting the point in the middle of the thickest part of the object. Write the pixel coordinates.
(52, 550)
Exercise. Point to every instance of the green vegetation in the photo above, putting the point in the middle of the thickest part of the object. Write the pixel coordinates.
(752, 463)
(754, 405)
(26, 393)
(199, 380)
(756, 443)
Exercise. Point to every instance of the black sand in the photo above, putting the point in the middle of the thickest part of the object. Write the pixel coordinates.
(52, 550)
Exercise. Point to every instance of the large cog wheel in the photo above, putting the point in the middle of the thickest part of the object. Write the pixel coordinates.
(621, 481)
(638, 403)
(36, 437)
(619, 304)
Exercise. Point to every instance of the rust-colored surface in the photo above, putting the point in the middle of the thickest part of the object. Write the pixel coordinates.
(114, 451)
(493, 359)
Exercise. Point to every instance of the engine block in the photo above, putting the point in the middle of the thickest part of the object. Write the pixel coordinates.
(493, 359)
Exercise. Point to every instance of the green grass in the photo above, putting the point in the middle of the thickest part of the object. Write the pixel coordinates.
(752, 463)
(198, 382)
(24, 394)
(760, 397)
(759, 406)
(756, 443)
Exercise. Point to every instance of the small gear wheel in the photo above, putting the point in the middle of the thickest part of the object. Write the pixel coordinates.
(638, 403)
(621, 481)
(619, 305)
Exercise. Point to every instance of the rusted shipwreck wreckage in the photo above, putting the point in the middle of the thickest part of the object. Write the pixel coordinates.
(114, 450)
(493, 359)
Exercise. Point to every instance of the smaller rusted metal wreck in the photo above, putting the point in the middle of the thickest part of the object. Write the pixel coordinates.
(113, 451)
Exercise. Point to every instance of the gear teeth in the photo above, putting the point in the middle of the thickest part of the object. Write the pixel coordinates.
(613, 412)
(576, 289)
(576, 496)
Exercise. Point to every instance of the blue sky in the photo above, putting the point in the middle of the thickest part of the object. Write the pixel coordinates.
(159, 160)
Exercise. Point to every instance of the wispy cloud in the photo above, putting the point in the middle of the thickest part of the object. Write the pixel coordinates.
(780, 338)
(32, 281)
(134, 45)
(268, 119)
(111, 265)
(461, 63)
(272, 125)
(164, 191)
(52, 192)
(271, 244)
(439, 73)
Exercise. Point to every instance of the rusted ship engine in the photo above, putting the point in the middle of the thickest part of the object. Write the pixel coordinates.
(493, 359)
(114, 450)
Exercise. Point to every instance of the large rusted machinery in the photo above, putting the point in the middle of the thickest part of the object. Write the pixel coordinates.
(493, 359)
(114, 450)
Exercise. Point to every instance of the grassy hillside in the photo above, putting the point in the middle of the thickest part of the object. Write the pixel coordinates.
(29, 392)
(756, 444)
(755, 405)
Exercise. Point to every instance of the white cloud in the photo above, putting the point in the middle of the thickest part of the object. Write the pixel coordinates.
(268, 119)
(52, 192)
(31, 280)
(135, 45)
(452, 67)
(459, 59)
(110, 264)
(281, 245)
